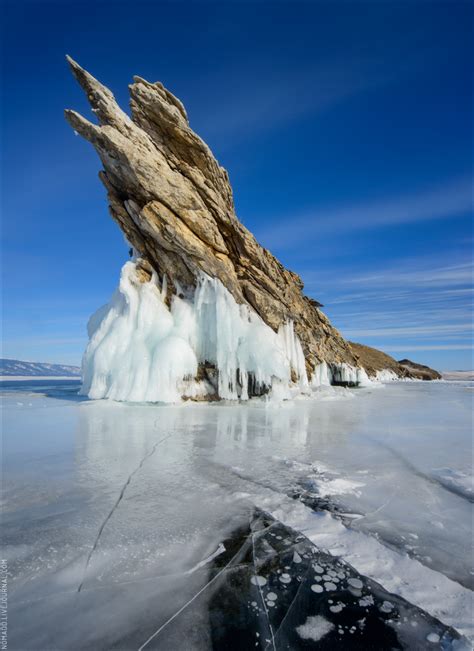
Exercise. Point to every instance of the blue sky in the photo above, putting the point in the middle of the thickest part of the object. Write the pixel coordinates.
(346, 128)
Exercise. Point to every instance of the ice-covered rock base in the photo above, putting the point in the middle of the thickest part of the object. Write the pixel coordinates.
(141, 349)
(201, 345)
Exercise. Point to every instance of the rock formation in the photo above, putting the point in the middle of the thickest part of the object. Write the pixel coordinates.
(174, 203)
(419, 371)
(374, 361)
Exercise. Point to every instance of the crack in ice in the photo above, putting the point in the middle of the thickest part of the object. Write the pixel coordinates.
(115, 506)
(178, 612)
(261, 593)
(292, 602)
(454, 490)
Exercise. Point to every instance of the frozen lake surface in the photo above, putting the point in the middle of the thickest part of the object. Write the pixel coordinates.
(339, 522)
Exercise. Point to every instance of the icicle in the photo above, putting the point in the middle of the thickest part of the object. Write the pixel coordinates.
(142, 350)
(322, 376)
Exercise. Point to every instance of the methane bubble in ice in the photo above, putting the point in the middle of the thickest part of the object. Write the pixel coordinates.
(355, 583)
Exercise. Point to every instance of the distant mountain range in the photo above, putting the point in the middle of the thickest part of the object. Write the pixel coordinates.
(15, 367)
(458, 375)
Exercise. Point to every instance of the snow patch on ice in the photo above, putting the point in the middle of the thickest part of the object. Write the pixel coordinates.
(462, 481)
(315, 628)
(386, 375)
(397, 573)
(338, 486)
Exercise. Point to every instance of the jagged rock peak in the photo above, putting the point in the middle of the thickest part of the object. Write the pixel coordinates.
(174, 203)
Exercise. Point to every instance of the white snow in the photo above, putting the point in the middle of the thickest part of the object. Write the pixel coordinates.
(315, 628)
(338, 486)
(428, 589)
(457, 479)
(386, 375)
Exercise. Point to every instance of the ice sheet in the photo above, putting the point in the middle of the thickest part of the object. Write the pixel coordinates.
(131, 503)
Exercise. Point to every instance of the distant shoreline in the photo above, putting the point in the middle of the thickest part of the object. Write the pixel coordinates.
(458, 375)
(18, 378)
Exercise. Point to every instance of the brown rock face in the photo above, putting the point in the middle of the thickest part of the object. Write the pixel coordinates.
(374, 360)
(419, 371)
(174, 203)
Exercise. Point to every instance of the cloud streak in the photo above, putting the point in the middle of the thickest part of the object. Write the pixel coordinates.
(405, 347)
(418, 305)
(452, 199)
(275, 97)
(430, 331)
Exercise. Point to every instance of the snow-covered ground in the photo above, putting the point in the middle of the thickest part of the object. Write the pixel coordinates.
(122, 521)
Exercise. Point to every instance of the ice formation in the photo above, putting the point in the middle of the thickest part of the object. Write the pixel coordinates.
(386, 375)
(342, 374)
(142, 350)
(321, 376)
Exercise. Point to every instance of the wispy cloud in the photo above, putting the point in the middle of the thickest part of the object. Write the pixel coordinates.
(394, 349)
(275, 97)
(412, 305)
(424, 331)
(444, 276)
(452, 199)
(430, 280)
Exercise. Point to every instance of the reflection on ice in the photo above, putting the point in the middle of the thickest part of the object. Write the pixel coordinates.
(139, 506)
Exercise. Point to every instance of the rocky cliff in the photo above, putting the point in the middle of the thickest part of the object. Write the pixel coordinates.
(375, 361)
(174, 203)
(419, 371)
